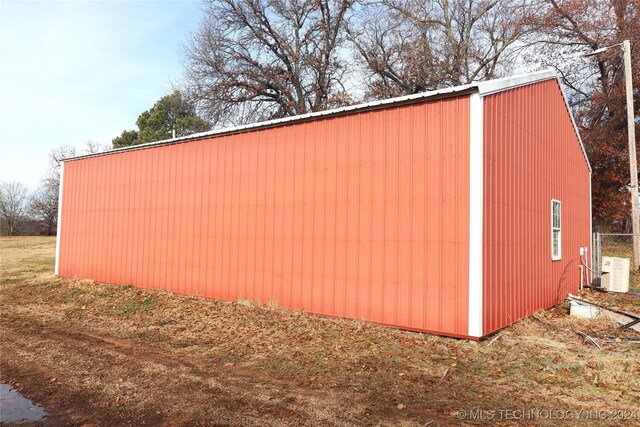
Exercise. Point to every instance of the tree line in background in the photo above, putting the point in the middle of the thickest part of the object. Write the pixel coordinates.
(36, 213)
(254, 60)
(23, 212)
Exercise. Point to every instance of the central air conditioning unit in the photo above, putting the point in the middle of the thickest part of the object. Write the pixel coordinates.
(615, 274)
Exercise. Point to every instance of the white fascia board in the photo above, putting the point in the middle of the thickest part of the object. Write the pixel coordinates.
(451, 91)
(573, 122)
(476, 211)
(59, 222)
(499, 85)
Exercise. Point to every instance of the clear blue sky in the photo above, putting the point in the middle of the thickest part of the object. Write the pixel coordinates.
(74, 71)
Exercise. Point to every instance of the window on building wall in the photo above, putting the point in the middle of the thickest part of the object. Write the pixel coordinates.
(556, 230)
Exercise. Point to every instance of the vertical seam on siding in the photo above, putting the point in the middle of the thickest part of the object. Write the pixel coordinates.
(476, 196)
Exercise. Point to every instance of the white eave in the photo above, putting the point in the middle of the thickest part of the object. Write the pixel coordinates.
(499, 85)
(441, 93)
(483, 88)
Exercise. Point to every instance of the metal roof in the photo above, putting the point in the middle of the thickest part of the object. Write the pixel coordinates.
(483, 88)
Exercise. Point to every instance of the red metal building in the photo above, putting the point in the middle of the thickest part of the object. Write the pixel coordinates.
(455, 212)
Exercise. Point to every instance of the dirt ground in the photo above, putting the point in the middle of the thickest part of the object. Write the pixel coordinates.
(97, 354)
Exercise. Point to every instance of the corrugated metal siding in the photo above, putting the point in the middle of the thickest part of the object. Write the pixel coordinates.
(532, 155)
(360, 216)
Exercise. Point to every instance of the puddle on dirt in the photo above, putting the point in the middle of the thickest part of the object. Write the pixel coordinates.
(14, 408)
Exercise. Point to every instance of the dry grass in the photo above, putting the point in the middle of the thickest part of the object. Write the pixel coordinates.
(103, 354)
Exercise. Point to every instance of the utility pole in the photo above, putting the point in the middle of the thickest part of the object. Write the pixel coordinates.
(633, 160)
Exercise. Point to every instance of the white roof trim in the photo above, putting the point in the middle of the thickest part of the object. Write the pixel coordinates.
(575, 128)
(492, 86)
(447, 92)
(484, 88)
(499, 85)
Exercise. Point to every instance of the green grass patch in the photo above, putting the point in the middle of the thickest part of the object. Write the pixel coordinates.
(74, 294)
(134, 305)
(153, 337)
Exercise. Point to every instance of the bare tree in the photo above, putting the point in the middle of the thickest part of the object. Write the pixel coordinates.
(51, 180)
(409, 46)
(44, 208)
(44, 203)
(14, 197)
(567, 30)
(260, 59)
(91, 147)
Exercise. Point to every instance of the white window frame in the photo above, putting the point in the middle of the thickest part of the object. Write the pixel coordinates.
(558, 256)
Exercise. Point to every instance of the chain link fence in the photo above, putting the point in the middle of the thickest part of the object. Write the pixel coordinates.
(614, 245)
